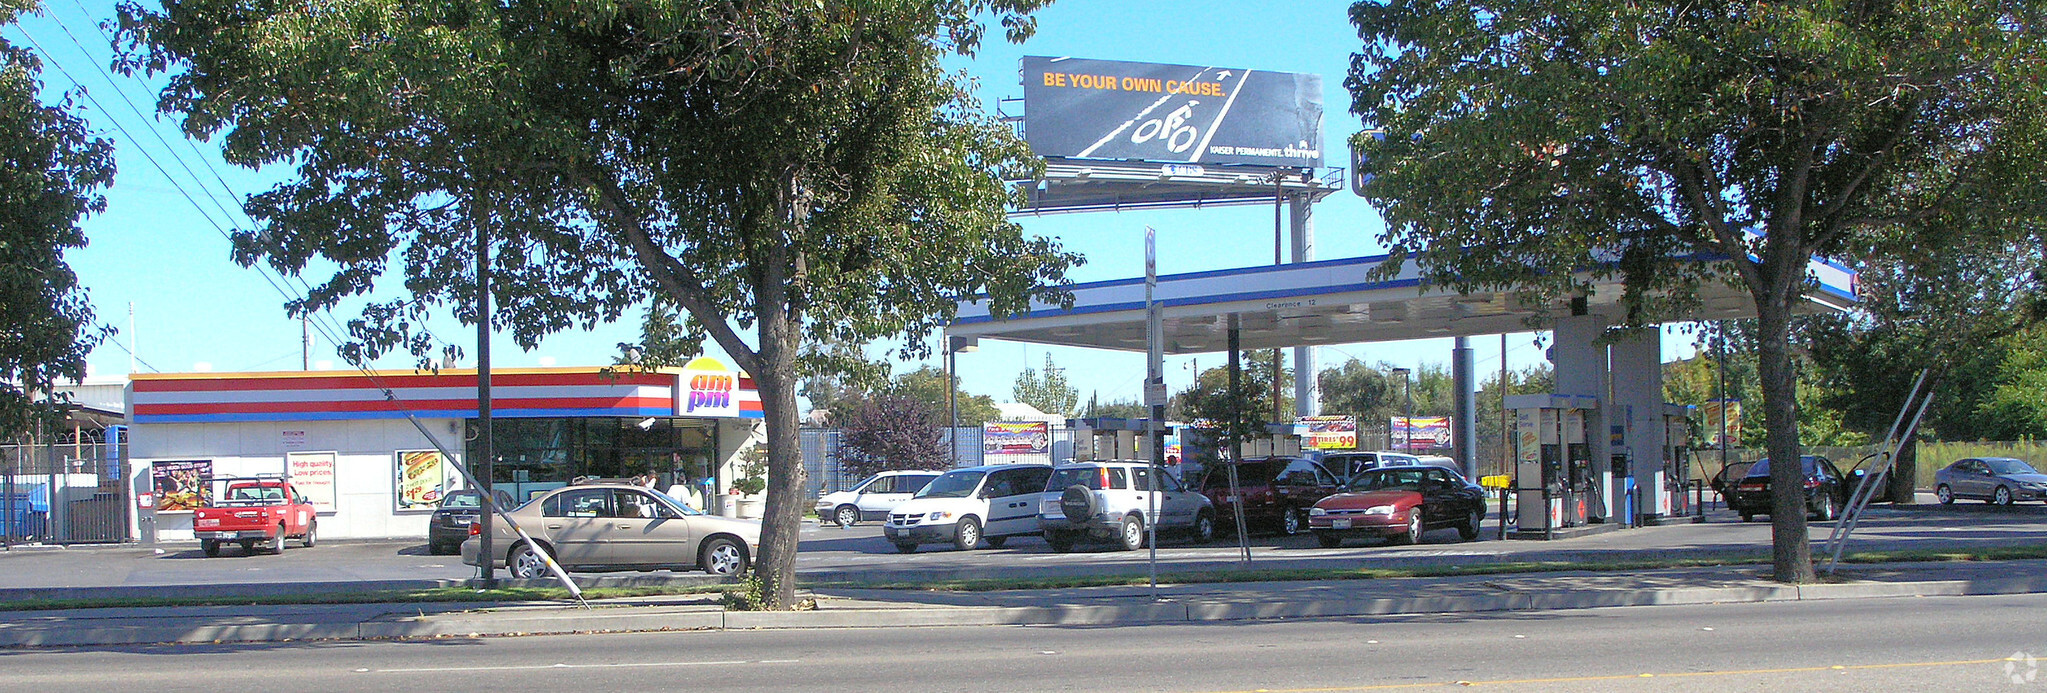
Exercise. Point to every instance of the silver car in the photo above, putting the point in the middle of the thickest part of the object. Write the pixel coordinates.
(618, 526)
(1999, 480)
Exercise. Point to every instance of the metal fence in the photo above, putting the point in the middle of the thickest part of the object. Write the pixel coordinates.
(822, 456)
(70, 493)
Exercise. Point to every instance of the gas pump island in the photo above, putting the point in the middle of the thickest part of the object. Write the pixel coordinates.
(1560, 486)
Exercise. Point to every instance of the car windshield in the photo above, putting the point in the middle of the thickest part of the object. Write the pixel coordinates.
(1090, 477)
(953, 485)
(1383, 479)
(2006, 465)
(463, 500)
(1762, 467)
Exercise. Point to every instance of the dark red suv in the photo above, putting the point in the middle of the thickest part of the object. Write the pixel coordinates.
(1277, 492)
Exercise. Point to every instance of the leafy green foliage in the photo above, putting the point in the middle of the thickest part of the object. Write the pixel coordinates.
(927, 386)
(51, 172)
(804, 171)
(1047, 390)
(1243, 412)
(1573, 139)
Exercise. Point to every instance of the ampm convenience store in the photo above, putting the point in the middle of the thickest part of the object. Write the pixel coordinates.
(349, 442)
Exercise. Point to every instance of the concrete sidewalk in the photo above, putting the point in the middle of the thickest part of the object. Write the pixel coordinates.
(854, 607)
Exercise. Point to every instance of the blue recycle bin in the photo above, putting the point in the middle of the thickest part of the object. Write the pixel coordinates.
(30, 512)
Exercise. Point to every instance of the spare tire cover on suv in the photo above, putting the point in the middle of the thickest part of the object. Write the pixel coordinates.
(1078, 502)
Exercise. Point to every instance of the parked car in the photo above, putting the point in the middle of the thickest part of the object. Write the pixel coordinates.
(254, 512)
(1349, 464)
(1400, 504)
(872, 498)
(1999, 480)
(1826, 489)
(617, 526)
(964, 506)
(449, 526)
(1277, 491)
(1112, 499)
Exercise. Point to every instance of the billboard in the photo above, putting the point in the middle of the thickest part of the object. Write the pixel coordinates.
(1108, 109)
(180, 486)
(1420, 432)
(1016, 438)
(422, 478)
(1328, 432)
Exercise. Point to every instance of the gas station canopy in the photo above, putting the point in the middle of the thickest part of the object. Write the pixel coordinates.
(1323, 302)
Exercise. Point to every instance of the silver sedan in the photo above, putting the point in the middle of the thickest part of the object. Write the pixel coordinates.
(618, 526)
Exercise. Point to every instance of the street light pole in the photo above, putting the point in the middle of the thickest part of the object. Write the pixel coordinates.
(1407, 416)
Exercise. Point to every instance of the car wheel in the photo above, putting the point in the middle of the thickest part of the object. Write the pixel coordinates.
(1289, 522)
(211, 547)
(996, 542)
(1131, 533)
(1472, 524)
(312, 534)
(525, 563)
(276, 542)
(1204, 527)
(1945, 494)
(723, 557)
(2002, 496)
(1328, 540)
(906, 547)
(1061, 542)
(967, 534)
(1413, 535)
(1826, 511)
(846, 515)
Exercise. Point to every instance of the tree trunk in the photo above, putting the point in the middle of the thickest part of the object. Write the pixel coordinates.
(1790, 547)
(1904, 483)
(784, 515)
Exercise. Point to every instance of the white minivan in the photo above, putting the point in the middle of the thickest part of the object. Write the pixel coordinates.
(871, 499)
(964, 506)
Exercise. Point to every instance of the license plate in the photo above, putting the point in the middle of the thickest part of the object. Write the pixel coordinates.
(465, 521)
(209, 523)
(1229, 499)
(1340, 523)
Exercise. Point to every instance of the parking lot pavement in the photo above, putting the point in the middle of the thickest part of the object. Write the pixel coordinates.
(830, 553)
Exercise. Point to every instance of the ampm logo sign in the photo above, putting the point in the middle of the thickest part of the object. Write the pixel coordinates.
(706, 388)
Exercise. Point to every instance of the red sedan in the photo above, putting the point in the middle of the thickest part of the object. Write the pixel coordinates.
(1399, 503)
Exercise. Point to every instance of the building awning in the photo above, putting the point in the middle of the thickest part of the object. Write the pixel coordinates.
(701, 390)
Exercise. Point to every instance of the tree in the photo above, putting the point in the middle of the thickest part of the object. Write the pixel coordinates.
(1209, 399)
(892, 431)
(1048, 390)
(1116, 409)
(1630, 139)
(805, 172)
(927, 385)
(51, 172)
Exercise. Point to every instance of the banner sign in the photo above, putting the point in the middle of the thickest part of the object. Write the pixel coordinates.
(1421, 432)
(1108, 109)
(180, 486)
(1328, 432)
(1016, 438)
(422, 479)
(1715, 412)
(312, 473)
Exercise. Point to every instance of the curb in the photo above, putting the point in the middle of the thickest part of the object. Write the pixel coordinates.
(60, 630)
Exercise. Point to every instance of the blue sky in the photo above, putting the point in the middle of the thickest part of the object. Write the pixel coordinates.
(161, 245)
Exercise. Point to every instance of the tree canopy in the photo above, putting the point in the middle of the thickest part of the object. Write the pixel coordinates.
(1635, 138)
(778, 172)
(1047, 389)
(51, 172)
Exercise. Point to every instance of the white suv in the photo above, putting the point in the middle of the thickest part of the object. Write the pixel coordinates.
(1111, 500)
(964, 506)
(871, 499)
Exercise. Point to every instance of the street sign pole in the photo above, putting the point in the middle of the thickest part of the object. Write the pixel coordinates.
(1154, 397)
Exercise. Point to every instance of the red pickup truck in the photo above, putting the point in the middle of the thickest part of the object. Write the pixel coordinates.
(254, 511)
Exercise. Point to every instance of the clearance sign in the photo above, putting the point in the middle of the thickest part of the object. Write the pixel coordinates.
(1107, 109)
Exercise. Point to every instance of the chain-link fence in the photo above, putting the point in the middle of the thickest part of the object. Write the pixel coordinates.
(70, 493)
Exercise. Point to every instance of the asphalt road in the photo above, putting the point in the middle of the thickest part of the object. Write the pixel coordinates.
(1903, 644)
(862, 548)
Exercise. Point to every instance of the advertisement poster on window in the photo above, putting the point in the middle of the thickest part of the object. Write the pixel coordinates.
(1328, 432)
(312, 473)
(422, 479)
(180, 485)
(1016, 438)
(1421, 432)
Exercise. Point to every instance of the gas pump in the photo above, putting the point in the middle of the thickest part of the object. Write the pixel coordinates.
(1552, 466)
(1677, 461)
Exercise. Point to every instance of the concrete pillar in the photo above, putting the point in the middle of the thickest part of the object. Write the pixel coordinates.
(1307, 389)
(1464, 423)
(1638, 396)
(1580, 362)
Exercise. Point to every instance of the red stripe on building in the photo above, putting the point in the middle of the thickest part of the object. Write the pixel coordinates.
(400, 405)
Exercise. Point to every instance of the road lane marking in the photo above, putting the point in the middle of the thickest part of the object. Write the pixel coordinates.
(1618, 677)
(560, 665)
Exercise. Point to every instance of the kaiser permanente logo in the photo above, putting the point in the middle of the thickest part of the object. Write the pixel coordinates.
(708, 389)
